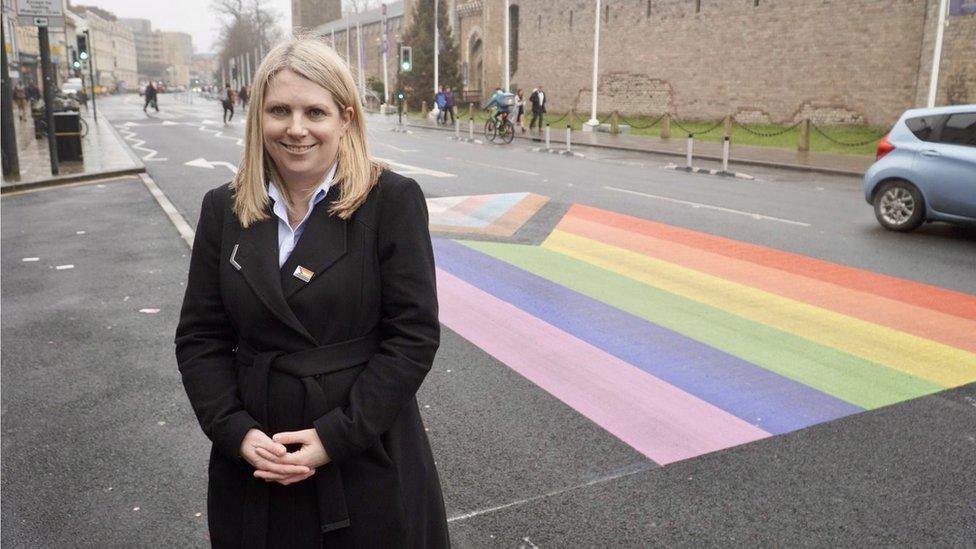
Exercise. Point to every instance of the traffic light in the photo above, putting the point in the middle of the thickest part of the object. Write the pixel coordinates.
(82, 47)
(75, 63)
(406, 58)
(400, 96)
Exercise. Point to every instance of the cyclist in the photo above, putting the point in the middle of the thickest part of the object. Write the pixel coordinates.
(500, 102)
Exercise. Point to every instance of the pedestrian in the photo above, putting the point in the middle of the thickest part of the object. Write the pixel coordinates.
(538, 100)
(449, 104)
(83, 98)
(440, 102)
(308, 324)
(520, 104)
(33, 93)
(150, 93)
(244, 94)
(228, 103)
(20, 98)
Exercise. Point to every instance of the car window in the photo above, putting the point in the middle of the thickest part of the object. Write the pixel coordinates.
(960, 129)
(923, 126)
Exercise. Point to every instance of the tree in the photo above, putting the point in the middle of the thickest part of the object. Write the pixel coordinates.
(245, 26)
(418, 84)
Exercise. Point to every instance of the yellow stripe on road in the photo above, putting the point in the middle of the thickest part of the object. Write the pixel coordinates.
(923, 358)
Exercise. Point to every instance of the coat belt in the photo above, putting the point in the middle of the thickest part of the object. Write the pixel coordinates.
(303, 365)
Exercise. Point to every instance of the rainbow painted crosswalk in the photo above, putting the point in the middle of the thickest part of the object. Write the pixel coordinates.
(682, 343)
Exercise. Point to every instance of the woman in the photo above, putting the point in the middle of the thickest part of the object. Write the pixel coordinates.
(309, 322)
(20, 98)
(520, 102)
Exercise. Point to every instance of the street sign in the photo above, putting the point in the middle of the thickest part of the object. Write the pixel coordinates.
(41, 8)
(53, 22)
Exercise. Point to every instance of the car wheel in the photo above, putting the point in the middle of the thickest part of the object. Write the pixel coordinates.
(899, 206)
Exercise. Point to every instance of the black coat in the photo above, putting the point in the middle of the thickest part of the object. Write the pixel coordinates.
(538, 107)
(372, 274)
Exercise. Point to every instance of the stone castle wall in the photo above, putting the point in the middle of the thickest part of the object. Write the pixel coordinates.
(837, 61)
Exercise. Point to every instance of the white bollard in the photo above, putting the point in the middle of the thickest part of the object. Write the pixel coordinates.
(691, 146)
(725, 155)
(471, 129)
(547, 137)
(457, 129)
(569, 137)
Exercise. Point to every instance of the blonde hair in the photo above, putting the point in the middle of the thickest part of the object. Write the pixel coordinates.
(356, 173)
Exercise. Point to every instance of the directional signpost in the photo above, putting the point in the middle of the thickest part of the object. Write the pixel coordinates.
(44, 14)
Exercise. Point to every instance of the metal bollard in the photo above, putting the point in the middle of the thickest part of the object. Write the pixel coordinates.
(471, 129)
(569, 136)
(547, 137)
(725, 154)
(691, 146)
(457, 129)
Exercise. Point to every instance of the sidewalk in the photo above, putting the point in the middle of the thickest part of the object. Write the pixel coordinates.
(105, 155)
(704, 150)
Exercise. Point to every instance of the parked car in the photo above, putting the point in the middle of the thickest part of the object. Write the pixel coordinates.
(925, 169)
(71, 86)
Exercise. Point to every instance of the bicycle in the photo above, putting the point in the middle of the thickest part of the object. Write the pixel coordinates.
(500, 128)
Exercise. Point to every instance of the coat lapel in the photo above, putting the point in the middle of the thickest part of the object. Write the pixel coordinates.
(258, 258)
(323, 242)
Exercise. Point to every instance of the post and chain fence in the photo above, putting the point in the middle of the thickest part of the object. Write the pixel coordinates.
(820, 131)
(758, 133)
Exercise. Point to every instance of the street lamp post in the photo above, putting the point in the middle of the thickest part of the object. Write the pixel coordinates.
(937, 54)
(386, 49)
(91, 71)
(593, 122)
(436, 48)
(508, 53)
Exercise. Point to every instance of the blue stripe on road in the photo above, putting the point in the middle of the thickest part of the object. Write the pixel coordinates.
(488, 213)
(754, 394)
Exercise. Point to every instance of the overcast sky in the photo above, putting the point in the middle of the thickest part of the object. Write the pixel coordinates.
(191, 16)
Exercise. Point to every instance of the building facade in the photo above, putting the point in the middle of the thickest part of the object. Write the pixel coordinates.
(308, 14)
(764, 61)
(359, 40)
(112, 49)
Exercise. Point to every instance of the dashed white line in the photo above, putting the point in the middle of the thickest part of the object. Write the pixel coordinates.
(711, 207)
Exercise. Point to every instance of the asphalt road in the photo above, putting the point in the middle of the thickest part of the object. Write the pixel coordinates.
(101, 448)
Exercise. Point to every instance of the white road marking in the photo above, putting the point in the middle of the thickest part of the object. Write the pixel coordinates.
(64, 267)
(407, 169)
(493, 166)
(394, 147)
(30, 259)
(138, 144)
(616, 476)
(209, 164)
(181, 225)
(711, 207)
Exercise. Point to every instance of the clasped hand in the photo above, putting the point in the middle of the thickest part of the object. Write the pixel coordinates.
(272, 462)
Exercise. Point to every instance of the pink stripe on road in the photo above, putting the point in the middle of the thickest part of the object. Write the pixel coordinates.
(655, 418)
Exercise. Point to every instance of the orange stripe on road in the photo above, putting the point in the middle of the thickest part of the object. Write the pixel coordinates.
(897, 315)
(896, 289)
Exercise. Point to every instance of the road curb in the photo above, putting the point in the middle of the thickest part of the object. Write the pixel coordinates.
(747, 162)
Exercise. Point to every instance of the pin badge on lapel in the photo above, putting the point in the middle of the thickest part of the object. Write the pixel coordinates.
(233, 256)
(303, 274)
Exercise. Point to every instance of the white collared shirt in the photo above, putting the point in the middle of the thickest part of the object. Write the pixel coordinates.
(288, 237)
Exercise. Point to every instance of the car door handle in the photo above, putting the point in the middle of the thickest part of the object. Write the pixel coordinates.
(931, 153)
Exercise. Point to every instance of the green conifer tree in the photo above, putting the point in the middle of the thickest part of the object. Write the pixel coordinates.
(418, 84)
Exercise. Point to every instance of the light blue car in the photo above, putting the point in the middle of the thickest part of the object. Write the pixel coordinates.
(926, 169)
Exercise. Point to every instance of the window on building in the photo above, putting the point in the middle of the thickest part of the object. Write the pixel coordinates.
(570, 19)
(606, 13)
(513, 17)
(755, 3)
(697, 6)
(648, 13)
(539, 24)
